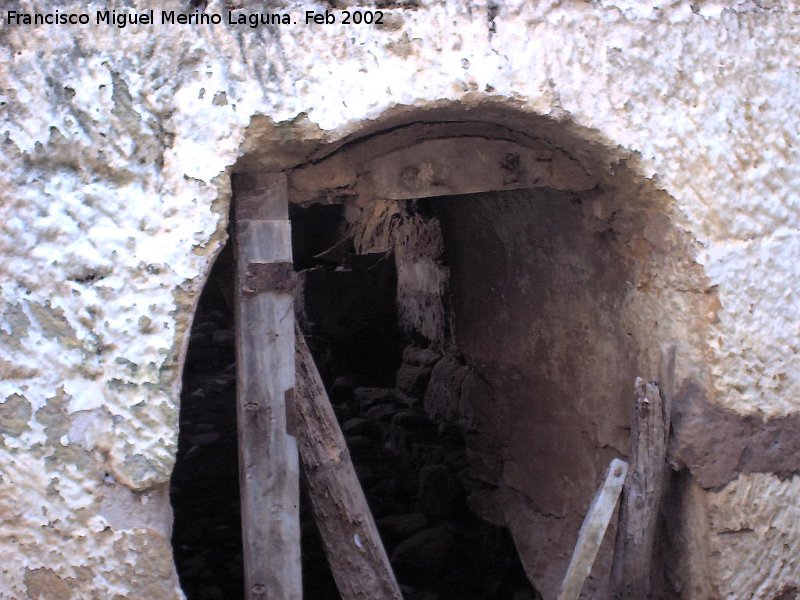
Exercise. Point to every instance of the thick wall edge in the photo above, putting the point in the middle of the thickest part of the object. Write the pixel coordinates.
(117, 149)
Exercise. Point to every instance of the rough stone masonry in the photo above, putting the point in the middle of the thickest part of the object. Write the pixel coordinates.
(118, 145)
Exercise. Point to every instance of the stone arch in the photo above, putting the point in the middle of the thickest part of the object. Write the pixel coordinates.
(588, 273)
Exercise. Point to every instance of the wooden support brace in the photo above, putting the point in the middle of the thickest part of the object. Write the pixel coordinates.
(593, 530)
(268, 462)
(352, 544)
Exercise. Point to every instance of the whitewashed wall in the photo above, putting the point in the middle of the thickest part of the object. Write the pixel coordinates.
(116, 149)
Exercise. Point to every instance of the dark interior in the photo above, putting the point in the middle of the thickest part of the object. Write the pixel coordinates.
(414, 469)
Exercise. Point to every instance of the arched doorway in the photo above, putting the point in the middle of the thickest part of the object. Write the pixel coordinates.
(517, 272)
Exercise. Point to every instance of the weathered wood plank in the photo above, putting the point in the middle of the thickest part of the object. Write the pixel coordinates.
(666, 383)
(593, 530)
(268, 461)
(464, 165)
(261, 196)
(633, 555)
(352, 544)
(436, 159)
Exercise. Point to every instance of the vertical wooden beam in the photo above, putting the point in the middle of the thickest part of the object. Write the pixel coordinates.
(352, 544)
(633, 556)
(666, 383)
(265, 376)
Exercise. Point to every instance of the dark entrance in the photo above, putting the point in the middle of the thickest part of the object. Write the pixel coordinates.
(413, 468)
(455, 270)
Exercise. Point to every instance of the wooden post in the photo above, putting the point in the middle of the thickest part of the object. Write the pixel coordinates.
(268, 462)
(355, 553)
(633, 555)
(666, 384)
(593, 530)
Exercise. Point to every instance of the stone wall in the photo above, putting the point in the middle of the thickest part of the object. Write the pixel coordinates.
(118, 146)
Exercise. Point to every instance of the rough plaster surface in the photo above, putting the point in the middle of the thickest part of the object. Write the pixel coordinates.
(741, 542)
(116, 149)
(749, 518)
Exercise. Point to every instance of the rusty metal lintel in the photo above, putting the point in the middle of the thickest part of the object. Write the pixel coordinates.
(268, 277)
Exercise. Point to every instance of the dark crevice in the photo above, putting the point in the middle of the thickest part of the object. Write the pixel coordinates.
(206, 537)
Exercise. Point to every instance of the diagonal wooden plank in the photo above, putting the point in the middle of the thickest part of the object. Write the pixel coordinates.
(354, 549)
(593, 530)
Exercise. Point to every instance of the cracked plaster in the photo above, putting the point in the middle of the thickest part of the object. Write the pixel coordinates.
(116, 150)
